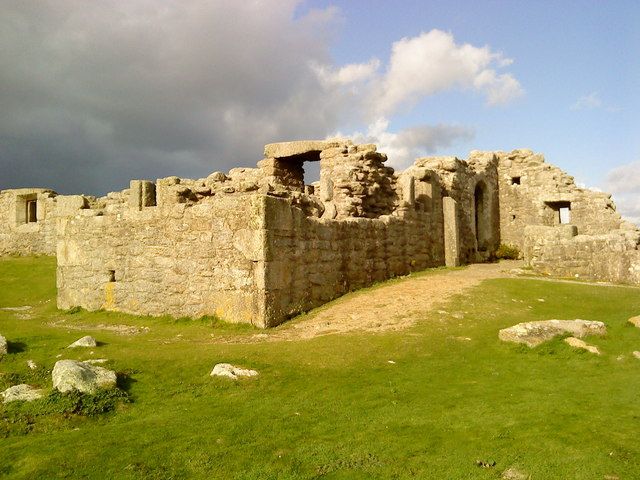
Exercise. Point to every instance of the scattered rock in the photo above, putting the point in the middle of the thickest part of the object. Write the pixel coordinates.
(486, 463)
(96, 361)
(86, 341)
(577, 343)
(70, 375)
(636, 354)
(635, 321)
(228, 370)
(31, 364)
(4, 348)
(22, 392)
(535, 333)
(17, 309)
(512, 473)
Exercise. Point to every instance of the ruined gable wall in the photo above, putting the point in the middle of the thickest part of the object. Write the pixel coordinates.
(541, 184)
(180, 259)
(19, 237)
(560, 251)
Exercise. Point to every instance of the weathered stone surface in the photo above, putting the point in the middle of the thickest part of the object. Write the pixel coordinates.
(70, 375)
(535, 333)
(258, 245)
(86, 341)
(635, 321)
(32, 365)
(231, 371)
(3, 346)
(289, 149)
(21, 392)
(581, 344)
(636, 354)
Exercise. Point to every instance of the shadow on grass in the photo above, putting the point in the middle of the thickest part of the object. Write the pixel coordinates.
(16, 347)
(124, 380)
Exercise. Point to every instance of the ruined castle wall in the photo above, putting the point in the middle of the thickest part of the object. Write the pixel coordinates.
(181, 259)
(560, 251)
(27, 229)
(311, 261)
(532, 192)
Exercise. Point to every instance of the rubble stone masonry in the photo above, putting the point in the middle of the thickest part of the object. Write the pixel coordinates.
(260, 245)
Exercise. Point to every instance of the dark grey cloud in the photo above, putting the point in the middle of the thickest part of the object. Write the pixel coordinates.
(96, 93)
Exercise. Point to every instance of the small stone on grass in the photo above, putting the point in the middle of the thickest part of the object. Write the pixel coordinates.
(86, 341)
(577, 343)
(231, 371)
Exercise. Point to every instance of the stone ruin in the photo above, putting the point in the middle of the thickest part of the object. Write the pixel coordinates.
(259, 245)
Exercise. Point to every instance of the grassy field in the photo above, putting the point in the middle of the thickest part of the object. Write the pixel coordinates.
(428, 402)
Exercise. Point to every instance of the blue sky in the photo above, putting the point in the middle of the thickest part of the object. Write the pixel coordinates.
(97, 93)
(561, 51)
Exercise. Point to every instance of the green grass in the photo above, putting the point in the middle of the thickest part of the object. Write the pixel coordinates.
(334, 407)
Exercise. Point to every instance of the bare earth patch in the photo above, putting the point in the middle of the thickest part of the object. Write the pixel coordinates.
(394, 306)
(117, 329)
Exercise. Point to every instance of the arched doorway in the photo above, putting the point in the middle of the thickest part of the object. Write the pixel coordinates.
(481, 216)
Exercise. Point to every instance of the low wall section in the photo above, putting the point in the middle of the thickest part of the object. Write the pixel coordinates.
(560, 251)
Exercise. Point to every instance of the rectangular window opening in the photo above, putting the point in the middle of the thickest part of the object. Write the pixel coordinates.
(515, 180)
(32, 211)
(564, 215)
(112, 276)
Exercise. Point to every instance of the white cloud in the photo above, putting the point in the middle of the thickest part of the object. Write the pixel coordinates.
(588, 102)
(432, 62)
(405, 146)
(624, 183)
(348, 74)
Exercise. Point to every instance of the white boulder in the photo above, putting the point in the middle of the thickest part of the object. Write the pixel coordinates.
(535, 333)
(70, 375)
(22, 392)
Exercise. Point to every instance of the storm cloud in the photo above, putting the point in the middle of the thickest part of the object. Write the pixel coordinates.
(96, 93)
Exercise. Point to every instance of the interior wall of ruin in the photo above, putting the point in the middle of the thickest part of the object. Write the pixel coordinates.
(311, 261)
(473, 186)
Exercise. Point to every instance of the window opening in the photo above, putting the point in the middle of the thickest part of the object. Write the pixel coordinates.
(32, 211)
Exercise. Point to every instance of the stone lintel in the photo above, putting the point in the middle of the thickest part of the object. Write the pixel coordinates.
(300, 147)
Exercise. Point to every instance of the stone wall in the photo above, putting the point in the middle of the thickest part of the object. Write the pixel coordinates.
(560, 251)
(311, 261)
(474, 187)
(532, 192)
(27, 221)
(204, 258)
(258, 245)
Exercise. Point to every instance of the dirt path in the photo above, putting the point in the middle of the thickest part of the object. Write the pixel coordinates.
(394, 306)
